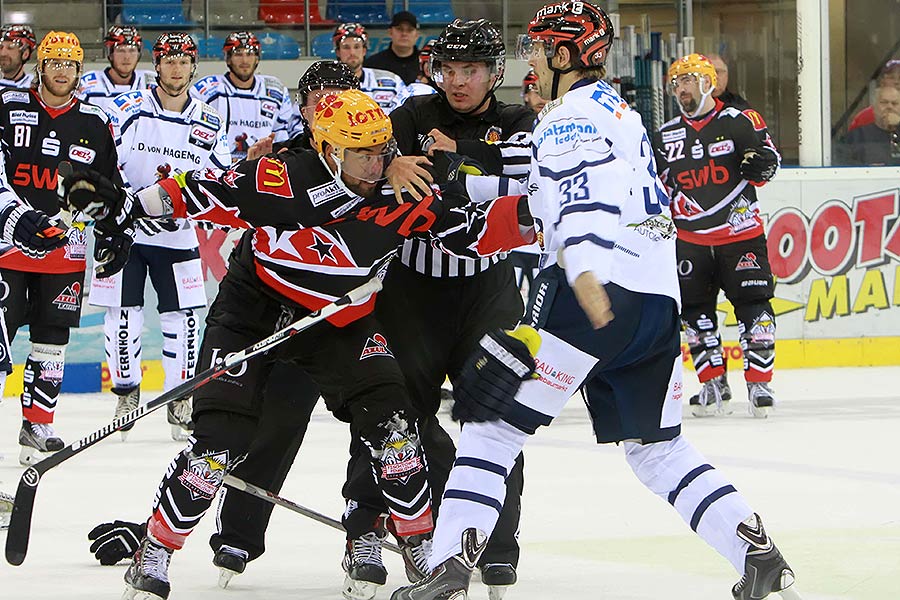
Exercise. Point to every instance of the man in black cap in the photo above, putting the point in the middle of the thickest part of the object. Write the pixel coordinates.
(402, 56)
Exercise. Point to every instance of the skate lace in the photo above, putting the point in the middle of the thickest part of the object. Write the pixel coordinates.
(181, 411)
(759, 388)
(42, 431)
(711, 393)
(155, 562)
(367, 549)
(125, 405)
(420, 554)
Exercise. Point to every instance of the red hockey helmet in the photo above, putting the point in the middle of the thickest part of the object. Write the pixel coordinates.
(122, 35)
(23, 35)
(425, 60)
(345, 30)
(583, 25)
(174, 43)
(241, 39)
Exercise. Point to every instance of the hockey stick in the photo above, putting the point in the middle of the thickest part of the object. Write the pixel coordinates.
(258, 492)
(20, 520)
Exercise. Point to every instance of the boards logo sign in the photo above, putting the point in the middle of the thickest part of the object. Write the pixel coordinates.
(376, 346)
(272, 178)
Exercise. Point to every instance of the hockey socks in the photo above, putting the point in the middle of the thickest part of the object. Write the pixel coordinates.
(42, 380)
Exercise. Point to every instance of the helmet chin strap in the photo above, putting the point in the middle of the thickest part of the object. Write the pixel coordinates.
(557, 75)
(336, 173)
(696, 113)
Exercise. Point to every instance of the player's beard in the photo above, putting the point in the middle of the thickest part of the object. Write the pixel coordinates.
(60, 90)
(174, 91)
(689, 105)
(242, 77)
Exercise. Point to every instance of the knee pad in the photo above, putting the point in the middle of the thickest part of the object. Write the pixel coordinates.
(181, 343)
(123, 326)
(661, 465)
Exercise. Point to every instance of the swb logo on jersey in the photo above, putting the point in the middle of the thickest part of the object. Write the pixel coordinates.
(375, 346)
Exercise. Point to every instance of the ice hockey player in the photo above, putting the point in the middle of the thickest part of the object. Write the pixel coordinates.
(40, 127)
(351, 42)
(123, 49)
(17, 44)
(159, 132)
(712, 158)
(302, 256)
(253, 106)
(606, 309)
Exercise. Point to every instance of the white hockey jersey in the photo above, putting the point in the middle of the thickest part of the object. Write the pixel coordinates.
(249, 114)
(154, 143)
(597, 202)
(382, 86)
(413, 89)
(22, 82)
(97, 88)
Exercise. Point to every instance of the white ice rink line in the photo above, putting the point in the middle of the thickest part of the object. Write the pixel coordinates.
(822, 472)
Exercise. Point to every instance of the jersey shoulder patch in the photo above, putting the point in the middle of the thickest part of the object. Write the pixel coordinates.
(90, 79)
(128, 103)
(91, 109)
(549, 106)
(207, 86)
(274, 88)
(208, 115)
(16, 96)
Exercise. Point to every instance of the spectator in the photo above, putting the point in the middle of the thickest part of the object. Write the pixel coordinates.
(889, 76)
(877, 142)
(531, 95)
(351, 42)
(402, 55)
(722, 92)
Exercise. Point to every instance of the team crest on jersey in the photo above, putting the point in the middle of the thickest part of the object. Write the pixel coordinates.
(82, 154)
(747, 262)
(68, 298)
(763, 328)
(23, 117)
(272, 178)
(321, 194)
(76, 249)
(400, 456)
(15, 96)
(204, 475)
(741, 216)
(128, 101)
(376, 345)
(493, 134)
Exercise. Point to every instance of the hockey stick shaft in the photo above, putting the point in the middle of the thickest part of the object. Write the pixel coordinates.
(258, 492)
(20, 520)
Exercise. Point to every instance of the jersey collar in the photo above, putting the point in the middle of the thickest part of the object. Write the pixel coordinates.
(701, 122)
(54, 111)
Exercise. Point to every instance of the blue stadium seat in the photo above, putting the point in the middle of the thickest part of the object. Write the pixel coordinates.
(154, 13)
(437, 12)
(210, 47)
(279, 46)
(322, 46)
(362, 11)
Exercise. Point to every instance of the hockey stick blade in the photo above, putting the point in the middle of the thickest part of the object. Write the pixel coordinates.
(20, 520)
(273, 498)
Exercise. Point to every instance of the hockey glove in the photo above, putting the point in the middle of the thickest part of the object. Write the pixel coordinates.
(96, 196)
(487, 386)
(759, 165)
(154, 226)
(116, 541)
(111, 250)
(31, 231)
(451, 168)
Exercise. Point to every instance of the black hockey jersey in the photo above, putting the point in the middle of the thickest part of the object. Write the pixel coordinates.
(314, 241)
(699, 161)
(35, 138)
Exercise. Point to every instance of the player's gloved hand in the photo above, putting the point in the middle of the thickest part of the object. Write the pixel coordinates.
(116, 541)
(30, 230)
(154, 226)
(450, 167)
(759, 165)
(486, 388)
(96, 196)
(111, 250)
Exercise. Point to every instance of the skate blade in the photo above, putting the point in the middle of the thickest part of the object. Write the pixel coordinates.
(790, 593)
(29, 456)
(725, 408)
(760, 412)
(133, 594)
(225, 576)
(496, 592)
(359, 590)
(700, 411)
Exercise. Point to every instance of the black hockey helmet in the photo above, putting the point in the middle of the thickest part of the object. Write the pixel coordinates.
(469, 41)
(122, 35)
(322, 75)
(23, 35)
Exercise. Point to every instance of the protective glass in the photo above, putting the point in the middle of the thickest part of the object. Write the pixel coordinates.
(368, 167)
(56, 64)
(526, 47)
(685, 80)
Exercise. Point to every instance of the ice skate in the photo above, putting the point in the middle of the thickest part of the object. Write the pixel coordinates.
(6, 506)
(147, 577)
(416, 552)
(178, 414)
(231, 561)
(36, 439)
(364, 566)
(714, 398)
(765, 570)
(450, 580)
(128, 400)
(762, 398)
(498, 577)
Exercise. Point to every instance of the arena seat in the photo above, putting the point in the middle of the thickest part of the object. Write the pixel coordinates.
(154, 13)
(322, 46)
(288, 12)
(278, 46)
(437, 12)
(358, 11)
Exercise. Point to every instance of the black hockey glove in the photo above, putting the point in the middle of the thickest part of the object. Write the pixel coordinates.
(450, 168)
(759, 165)
(154, 226)
(116, 541)
(31, 231)
(96, 196)
(486, 388)
(111, 250)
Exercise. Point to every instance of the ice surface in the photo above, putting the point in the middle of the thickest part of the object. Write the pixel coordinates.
(822, 471)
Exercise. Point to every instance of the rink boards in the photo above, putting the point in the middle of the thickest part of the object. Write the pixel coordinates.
(834, 246)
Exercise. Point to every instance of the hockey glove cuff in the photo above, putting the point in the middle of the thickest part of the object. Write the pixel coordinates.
(116, 541)
(31, 231)
(487, 386)
(96, 196)
(111, 250)
(759, 165)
